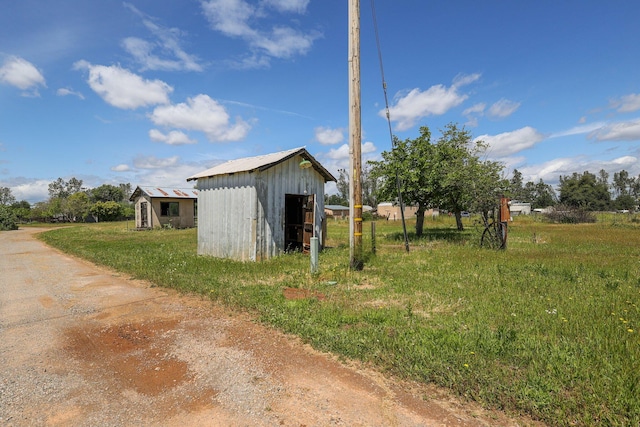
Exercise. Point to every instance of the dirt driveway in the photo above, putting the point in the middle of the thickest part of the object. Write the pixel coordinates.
(84, 346)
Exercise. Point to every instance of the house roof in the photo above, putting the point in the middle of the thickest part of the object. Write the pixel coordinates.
(261, 163)
(165, 192)
(336, 207)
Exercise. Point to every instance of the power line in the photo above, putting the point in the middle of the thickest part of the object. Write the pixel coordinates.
(386, 104)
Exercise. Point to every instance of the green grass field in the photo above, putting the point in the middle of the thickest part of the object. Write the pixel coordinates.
(548, 328)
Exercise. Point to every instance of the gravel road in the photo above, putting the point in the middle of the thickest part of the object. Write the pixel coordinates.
(84, 346)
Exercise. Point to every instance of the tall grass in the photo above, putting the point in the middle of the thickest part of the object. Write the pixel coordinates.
(548, 328)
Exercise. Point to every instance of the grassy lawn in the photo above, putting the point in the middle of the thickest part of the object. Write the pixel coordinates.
(548, 328)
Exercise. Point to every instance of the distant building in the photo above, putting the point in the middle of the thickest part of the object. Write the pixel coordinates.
(256, 208)
(336, 211)
(165, 207)
(392, 212)
(519, 208)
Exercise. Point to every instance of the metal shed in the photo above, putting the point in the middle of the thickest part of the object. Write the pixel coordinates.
(256, 208)
(164, 207)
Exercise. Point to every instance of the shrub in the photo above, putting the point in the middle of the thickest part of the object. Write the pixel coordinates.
(567, 215)
(8, 220)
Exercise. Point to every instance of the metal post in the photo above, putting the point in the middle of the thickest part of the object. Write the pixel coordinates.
(313, 254)
(355, 139)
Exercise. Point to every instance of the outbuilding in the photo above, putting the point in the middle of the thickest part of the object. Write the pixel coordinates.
(255, 208)
(165, 207)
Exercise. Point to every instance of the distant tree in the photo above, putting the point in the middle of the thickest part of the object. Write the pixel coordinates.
(368, 185)
(108, 193)
(517, 188)
(343, 184)
(107, 211)
(6, 196)
(335, 199)
(626, 202)
(8, 220)
(76, 206)
(622, 183)
(63, 189)
(585, 191)
(543, 195)
(22, 210)
(127, 191)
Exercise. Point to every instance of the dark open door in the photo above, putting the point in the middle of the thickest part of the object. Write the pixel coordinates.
(308, 215)
(298, 222)
(144, 216)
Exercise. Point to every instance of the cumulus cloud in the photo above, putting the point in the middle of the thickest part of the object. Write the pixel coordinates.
(508, 143)
(20, 73)
(628, 103)
(63, 91)
(203, 114)
(551, 170)
(121, 168)
(473, 113)
(503, 108)
(31, 190)
(240, 19)
(172, 138)
(414, 105)
(620, 131)
(123, 89)
(328, 136)
(166, 43)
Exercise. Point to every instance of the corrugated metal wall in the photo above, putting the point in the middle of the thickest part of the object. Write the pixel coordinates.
(241, 216)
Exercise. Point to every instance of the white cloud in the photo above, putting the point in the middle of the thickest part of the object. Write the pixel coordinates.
(63, 91)
(204, 114)
(29, 190)
(508, 143)
(437, 100)
(121, 168)
(22, 74)
(124, 89)
(167, 42)
(152, 162)
(620, 131)
(628, 103)
(328, 136)
(234, 18)
(172, 138)
(472, 113)
(578, 130)
(503, 108)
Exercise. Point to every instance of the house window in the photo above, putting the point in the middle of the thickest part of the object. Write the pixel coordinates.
(169, 209)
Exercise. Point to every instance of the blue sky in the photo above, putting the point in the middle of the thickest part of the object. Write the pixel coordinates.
(152, 91)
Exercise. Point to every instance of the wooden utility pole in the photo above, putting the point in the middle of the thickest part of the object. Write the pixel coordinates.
(355, 138)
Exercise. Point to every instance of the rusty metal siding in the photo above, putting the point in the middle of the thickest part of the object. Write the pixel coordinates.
(241, 215)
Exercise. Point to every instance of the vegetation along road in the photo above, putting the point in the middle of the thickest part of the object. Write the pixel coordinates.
(85, 346)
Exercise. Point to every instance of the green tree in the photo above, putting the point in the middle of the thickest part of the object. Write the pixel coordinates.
(107, 211)
(335, 199)
(517, 189)
(8, 220)
(76, 206)
(63, 189)
(6, 196)
(543, 196)
(411, 162)
(463, 180)
(448, 174)
(22, 210)
(108, 193)
(585, 191)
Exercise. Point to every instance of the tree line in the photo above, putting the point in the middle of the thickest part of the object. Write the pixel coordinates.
(69, 201)
(453, 174)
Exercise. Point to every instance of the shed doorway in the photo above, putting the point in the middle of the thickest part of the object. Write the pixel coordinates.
(298, 222)
(144, 221)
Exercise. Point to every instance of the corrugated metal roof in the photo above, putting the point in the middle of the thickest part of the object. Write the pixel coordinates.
(250, 164)
(165, 192)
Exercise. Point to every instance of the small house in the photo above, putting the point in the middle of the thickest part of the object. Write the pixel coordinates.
(337, 211)
(255, 208)
(165, 207)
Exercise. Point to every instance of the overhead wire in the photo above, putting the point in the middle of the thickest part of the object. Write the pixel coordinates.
(388, 114)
